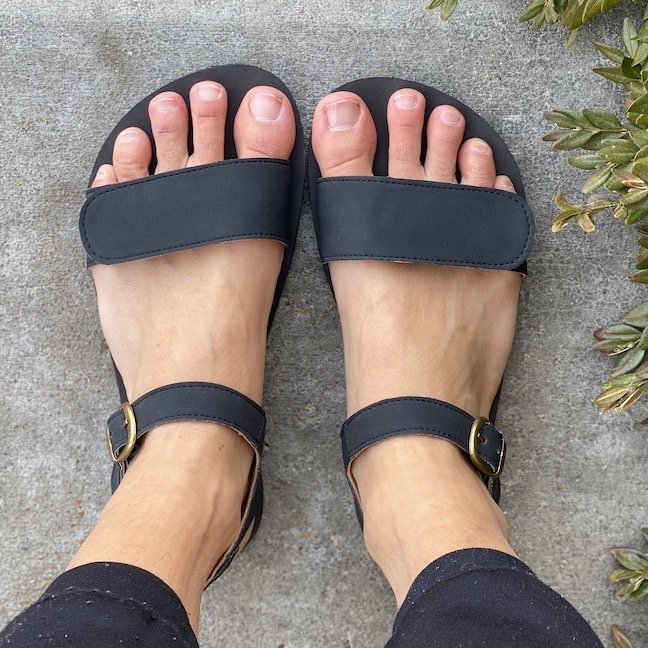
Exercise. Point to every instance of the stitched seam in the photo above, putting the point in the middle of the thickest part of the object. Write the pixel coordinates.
(156, 178)
(413, 430)
(437, 187)
(134, 603)
(411, 399)
(217, 388)
(183, 386)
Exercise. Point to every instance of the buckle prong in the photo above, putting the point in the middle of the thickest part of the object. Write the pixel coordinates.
(475, 440)
(131, 425)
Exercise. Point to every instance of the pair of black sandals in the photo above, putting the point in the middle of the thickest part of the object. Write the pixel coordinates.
(355, 218)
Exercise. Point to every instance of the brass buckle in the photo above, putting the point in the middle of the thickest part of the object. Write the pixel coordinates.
(475, 440)
(129, 423)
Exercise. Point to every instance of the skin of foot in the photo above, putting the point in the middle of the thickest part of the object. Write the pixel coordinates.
(418, 330)
(196, 315)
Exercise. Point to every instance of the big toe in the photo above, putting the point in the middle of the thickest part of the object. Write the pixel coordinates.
(344, 135)
(131, 154)
(264, 125)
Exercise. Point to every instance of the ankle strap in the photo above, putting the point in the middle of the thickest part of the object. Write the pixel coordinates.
(478, 438)
(190, 401)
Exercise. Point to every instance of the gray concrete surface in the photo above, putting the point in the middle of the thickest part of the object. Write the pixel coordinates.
(575, 482)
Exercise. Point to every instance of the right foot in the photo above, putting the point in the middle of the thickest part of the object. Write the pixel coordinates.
(195, 315)
(418, 330)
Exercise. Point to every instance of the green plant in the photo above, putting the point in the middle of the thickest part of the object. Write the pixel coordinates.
(619, 638)
(571, 14)
(615, 153)
(632, 576)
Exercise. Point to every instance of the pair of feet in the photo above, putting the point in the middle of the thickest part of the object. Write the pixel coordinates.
(202, 315)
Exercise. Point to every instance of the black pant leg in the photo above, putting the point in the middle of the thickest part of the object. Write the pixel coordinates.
(488, 599)
(103, 605)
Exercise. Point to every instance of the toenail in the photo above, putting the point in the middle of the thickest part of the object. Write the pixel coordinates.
(129, 135)
(508, 184)
(479, 146)
(265, 107)
(405, 100)
(450, 117)
(101, 172)
(210, 91)
(166, 104)
(343, 115)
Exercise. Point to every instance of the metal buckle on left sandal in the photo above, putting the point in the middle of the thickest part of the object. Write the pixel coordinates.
(476, 440)
(131, 439)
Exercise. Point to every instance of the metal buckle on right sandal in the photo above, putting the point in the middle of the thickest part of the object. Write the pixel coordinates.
(476, 440)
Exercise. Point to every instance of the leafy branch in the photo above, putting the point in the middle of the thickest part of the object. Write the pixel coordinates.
(570, 14)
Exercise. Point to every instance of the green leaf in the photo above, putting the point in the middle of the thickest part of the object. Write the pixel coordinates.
(627, 361)
(640, 169)
(597, 179)
(575, 139)
(640, 277)
(618, 332)
(619, 639)
(611, 53)
(630, 558)
(630, 37)
(642, 371)
(640, 591)
(533, 10)
(621, 152)
(565, 118)
(642, 344)
(636, 213)
(634, 197)
(611, 347)
(639, 106)
(637, 316)
(602, 120)
(614, 74)
(631, 398)
(641, 54)
(573, 35)
(619, 575)
(447, 9)
(587, 162)
(639, 137)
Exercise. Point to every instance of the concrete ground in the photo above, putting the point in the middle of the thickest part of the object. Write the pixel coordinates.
(574, 483)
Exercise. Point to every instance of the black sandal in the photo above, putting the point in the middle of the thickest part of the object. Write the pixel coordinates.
(416, 221)
(138, 219)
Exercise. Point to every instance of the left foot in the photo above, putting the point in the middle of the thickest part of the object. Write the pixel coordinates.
(195, 315)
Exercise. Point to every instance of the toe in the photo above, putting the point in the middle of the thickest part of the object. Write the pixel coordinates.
(476, 163)
(264, 125)
(132, 154)
(445, 131)
(170, 124)
(405, 115)
(105, 175)
(344, 135)
(208, 101)
(504, 183)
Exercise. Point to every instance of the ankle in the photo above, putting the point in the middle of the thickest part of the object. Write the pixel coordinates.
(208, 461)
(421, 499)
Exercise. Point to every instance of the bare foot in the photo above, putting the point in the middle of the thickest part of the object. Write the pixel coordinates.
(418, 330)
(196, 315)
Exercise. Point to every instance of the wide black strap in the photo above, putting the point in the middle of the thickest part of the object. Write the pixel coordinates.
(431, 417)
(191, 401)
(159, 214)
(422, 222)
